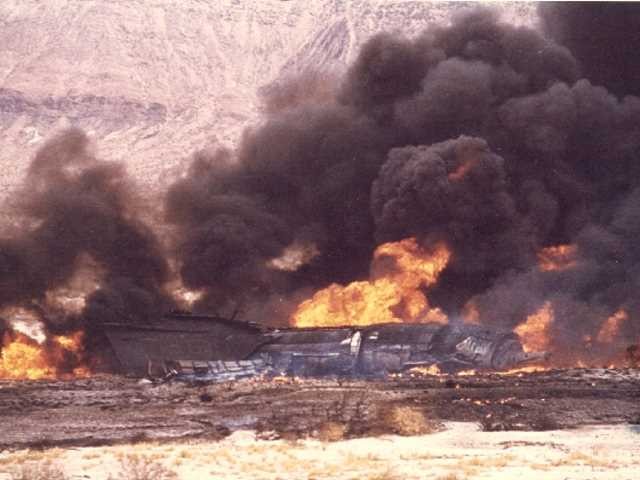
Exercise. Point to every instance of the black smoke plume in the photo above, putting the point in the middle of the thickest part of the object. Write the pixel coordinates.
(603, 36)
(456, 191)
(309, 170)
(72, 205)
(481, 134)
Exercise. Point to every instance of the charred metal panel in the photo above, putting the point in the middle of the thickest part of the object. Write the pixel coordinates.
(402, 333)
(389, 348)
(215, 371)
(311, 352)
(141, 347)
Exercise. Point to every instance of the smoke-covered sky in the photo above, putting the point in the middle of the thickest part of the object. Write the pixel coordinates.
(498, 140)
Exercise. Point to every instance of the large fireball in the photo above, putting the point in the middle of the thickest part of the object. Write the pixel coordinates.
(400, 270)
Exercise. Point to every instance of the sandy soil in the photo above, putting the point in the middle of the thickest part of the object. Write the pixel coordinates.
(460, 451)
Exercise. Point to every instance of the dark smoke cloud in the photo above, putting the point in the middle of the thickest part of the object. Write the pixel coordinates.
(306, 176)
(227, 235)
(72, 205)
(603, 36)
(456, 191)
(387, 69)
(480, 134)
(310, 168)
(604, 280)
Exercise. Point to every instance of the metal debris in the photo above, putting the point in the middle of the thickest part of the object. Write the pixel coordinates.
(210, 348)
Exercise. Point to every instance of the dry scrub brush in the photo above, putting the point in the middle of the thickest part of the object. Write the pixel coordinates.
(45, 470)
(141, 467)
(331, 431)
(407, 420)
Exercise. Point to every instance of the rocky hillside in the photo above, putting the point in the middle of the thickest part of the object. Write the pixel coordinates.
(154, 80)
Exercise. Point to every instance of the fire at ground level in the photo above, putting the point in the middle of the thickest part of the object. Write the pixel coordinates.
(104, 410)
(384, 325)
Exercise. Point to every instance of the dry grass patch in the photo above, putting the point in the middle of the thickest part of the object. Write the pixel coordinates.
(408, 421)
(26, 456)
(185, 454)
(579, 458)
(474, 465)
(331, 431)
(91, 455)
(492, 462)
(43, 470)
(142, 467)
(385, 475)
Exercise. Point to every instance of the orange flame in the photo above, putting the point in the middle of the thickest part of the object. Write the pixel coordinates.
(470, 314)
(430, 370)
(462, 170)
(393, 296)
(528, 369)
(534, 332)
(72, 343)
(560, 257)
(21, 357)
(611, 326)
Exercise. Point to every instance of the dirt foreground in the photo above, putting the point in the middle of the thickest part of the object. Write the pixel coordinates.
(460, 451)
(108, 410)
(565, 424)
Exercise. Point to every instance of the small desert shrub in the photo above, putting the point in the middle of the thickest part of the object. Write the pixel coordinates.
(142, 467)
(185, 454)
(331, 431)
(45, 470)
(384, 475)
(407, 420)
(90, 455)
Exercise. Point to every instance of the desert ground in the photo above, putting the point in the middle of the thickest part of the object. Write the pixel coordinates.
(459, 450)
(564, 424)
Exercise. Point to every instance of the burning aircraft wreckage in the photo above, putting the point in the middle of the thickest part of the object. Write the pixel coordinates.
(192, 347)
(369, 328)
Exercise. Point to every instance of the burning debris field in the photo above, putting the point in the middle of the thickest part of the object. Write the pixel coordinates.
(451, 233)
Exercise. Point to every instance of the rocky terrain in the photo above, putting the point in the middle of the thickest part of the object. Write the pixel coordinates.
(152, 81)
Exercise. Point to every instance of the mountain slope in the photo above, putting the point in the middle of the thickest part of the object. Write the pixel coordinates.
(152, 81)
